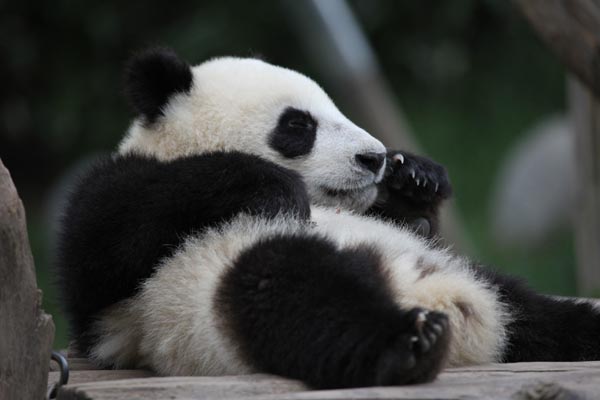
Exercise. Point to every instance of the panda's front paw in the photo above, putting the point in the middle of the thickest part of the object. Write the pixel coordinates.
(419, 353)
(416, 178)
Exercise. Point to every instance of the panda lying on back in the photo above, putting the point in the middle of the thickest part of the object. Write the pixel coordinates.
(245, 225)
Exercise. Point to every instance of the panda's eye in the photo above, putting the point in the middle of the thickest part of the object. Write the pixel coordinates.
(295, 133)
(300, 124)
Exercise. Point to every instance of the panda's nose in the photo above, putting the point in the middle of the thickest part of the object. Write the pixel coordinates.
(371, 161)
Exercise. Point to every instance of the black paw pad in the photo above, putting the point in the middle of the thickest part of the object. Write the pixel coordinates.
(416, 177)
(429, 328)
(419, 353)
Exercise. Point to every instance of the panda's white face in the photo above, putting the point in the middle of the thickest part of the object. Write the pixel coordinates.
(276, 113)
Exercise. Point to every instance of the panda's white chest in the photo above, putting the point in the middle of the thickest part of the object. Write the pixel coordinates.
(402, 252)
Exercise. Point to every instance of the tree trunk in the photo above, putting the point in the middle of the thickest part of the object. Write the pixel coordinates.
(571, 29)
(26, 332)
(585, 115)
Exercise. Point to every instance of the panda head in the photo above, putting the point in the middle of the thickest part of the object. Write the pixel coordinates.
(247, 105)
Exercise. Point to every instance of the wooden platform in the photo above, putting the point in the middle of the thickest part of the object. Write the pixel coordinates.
(497, 381)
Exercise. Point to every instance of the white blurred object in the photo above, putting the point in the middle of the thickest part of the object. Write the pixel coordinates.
(535, 192)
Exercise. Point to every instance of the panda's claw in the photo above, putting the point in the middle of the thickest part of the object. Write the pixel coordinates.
(425, 344)
(398, 157)
(431, 336)
(421, 319)
(437, 328)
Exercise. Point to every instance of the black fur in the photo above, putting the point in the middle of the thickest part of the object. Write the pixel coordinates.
(152, 77)
(545, 328)
(406, 202)
(371, 161)
(295, 133)
(301, 308)
(128, 212)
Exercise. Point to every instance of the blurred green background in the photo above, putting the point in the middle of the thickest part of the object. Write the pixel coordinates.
(61, 94)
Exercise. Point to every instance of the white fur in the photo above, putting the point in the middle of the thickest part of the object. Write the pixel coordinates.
(172, 325)
(235, 103)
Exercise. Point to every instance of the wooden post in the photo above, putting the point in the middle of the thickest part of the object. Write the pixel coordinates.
(571, 29)
(585, 116)
(26, 332)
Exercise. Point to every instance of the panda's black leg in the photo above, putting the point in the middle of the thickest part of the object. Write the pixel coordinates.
(302, 308)
(545, 328)
(412, 191)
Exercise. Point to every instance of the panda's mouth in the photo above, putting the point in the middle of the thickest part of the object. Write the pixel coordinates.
(357, 198)
(351, 192)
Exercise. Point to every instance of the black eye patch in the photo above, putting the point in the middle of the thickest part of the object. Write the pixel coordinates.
(295, 133)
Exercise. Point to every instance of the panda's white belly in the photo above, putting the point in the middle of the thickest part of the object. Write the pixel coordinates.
(173, 326)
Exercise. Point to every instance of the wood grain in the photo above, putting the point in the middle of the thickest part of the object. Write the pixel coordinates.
(78, 377)
(26, 332)
(224, 387)
(539, 380)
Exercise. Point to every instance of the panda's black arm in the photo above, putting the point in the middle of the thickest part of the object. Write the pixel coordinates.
(412, 191)
(545, 328)
(129, 212)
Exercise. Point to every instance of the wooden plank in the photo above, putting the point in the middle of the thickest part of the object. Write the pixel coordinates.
(585, 116)
(537, 366)
(571, 29)
(78, 377)
(575, 387)
(222, 387)
(508, 381)
(26, 332)
(502, 381)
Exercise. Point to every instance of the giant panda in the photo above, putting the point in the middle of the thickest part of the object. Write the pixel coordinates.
(246, 225)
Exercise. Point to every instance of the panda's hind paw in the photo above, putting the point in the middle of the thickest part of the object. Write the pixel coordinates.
(430, 328)
(419, 352)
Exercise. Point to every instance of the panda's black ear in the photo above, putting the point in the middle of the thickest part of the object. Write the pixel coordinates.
(152, 77)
